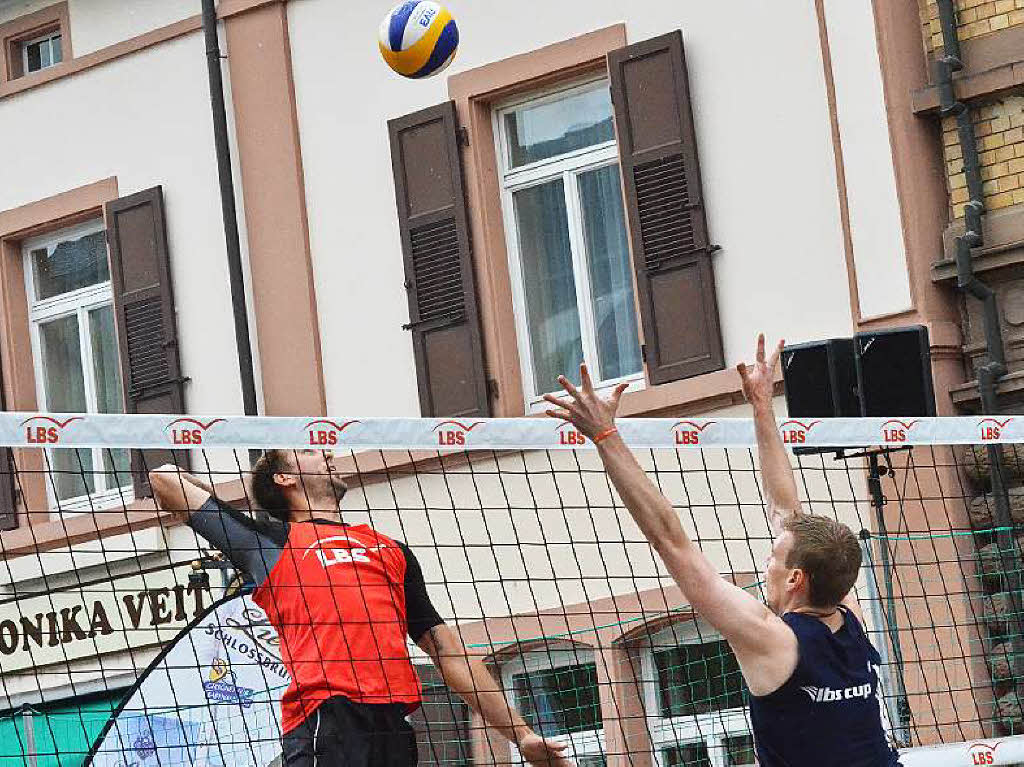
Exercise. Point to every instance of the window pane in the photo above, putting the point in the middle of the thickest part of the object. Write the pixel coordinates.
(34, 54)
(64, 385)
(577, 120)
(73, 264)
(62, 365)
(611, 280)
(591, 761)
(107, 372)
(698, 678)
(44, 54)
(72, 473)
(739, 751)
(687, 755)
(107, 377)
(552, 314)
(58, 54)
(442, 723)
(559, 701)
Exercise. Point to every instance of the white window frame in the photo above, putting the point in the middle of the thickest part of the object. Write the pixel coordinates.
(79, 302)
(712, 728)
(47, 38)
(581, 744)
(569, 166)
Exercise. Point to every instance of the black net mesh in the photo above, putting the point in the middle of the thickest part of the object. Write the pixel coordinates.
(128, 639)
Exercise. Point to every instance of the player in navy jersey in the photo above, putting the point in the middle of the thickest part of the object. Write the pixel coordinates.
(811, 671)
(343, 599)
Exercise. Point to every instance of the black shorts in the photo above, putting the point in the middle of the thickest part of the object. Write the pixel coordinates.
(341, 733)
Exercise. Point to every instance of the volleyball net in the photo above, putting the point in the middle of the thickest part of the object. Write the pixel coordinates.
(126, 640)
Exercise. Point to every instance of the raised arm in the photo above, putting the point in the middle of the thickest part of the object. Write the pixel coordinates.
(470, 680)
(753, 631)
(178, 491)
(780, 486)
(251, 546)
(758, 381)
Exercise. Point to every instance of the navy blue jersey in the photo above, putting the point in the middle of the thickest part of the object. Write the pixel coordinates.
(829, 713)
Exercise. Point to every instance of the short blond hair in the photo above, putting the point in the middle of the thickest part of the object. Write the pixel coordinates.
(829, 552)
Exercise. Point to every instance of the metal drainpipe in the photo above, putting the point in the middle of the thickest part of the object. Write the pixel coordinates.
(995, 368)
(236, 275)
(28, 724)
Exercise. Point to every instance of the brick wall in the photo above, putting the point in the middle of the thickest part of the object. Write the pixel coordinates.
(999, 127)
(976, 17)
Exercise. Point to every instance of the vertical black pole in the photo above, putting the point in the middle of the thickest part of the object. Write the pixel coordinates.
(227, 204)
(892, 628)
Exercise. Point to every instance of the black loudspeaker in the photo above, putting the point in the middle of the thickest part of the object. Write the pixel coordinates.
(894, 372)
(821, 379)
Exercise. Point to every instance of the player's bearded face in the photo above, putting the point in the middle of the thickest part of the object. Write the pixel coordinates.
(319, 475)
(337, 483)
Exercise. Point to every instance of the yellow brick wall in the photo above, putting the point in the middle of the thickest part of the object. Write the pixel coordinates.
(999, 130)
(976, 17)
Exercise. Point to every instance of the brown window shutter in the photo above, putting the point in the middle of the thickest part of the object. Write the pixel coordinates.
(8, 498)
(665, 209)
(140, 273)
(8, 469)
(443, 314)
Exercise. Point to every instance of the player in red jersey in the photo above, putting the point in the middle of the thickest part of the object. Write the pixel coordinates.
(343, 599)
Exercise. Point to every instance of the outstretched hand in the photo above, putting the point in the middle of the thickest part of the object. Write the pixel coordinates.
(543, 752)
(758, 380)
(583, 408)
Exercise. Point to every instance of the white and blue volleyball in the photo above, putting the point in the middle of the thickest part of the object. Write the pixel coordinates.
(418, 38)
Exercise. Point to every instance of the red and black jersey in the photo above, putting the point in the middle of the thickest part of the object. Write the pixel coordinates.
(343, 599)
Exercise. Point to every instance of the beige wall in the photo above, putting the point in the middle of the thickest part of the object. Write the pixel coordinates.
(801, 193)
(765, 149)
(528, 532)
(71, 132)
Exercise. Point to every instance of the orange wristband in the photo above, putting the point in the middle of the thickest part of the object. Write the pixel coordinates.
(605, 434)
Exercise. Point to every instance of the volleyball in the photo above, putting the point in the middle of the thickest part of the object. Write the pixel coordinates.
(418, 38)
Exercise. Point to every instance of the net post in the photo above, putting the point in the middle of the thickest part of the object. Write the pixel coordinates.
(896, 711)
(878, 501)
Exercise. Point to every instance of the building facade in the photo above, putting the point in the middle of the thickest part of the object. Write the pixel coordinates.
(643, 188)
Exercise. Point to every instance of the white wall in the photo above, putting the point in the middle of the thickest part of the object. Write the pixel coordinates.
(526, 532)
(883, 285)
(12, 9)
(766, 156)
(98, 23)
(146, 120)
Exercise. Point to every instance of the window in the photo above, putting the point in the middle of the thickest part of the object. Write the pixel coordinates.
(695, 699)
(557, 694)
(34, 42)
(75, 355)
(565, 222)
(697, 678)
(442, 723)
(41, 52)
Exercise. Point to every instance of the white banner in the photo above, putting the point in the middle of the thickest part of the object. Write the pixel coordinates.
(212, 699)
(154, 431)
(989, 751)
